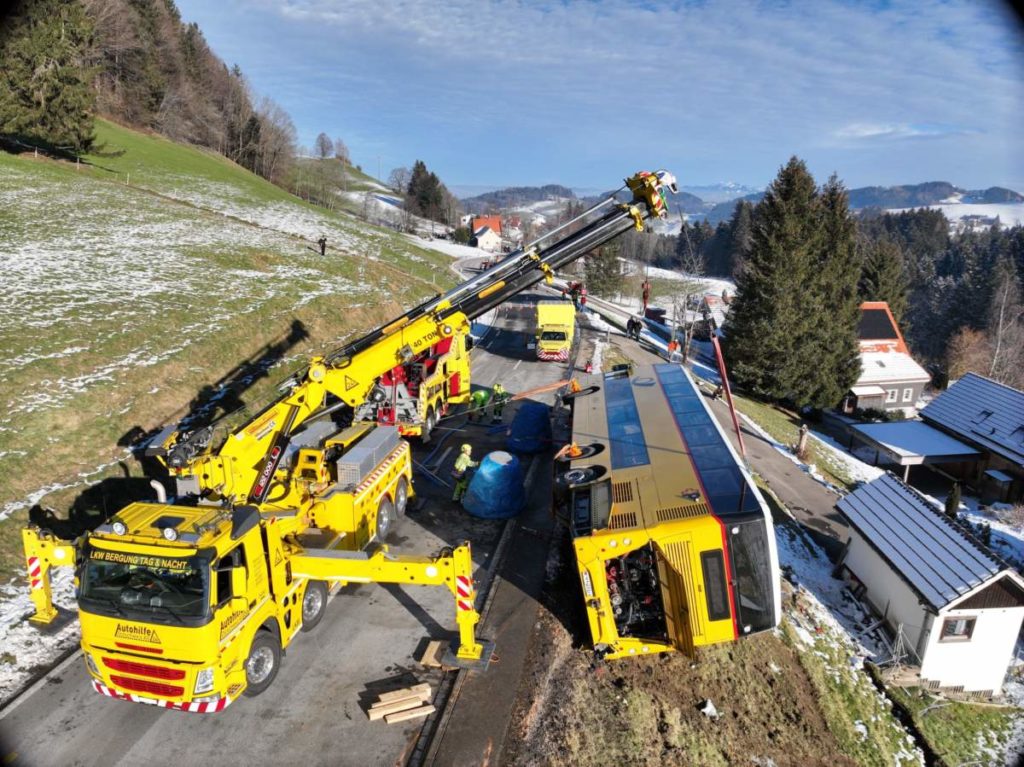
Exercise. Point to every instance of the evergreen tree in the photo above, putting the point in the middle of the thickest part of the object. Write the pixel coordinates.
(881, 278)
(953, 501)
(603, 271)
(830, 352)
(45, 93)
(769, 314)
(740, 237)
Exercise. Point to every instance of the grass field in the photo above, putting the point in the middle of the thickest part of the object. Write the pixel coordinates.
(958, 733)
(136, 280)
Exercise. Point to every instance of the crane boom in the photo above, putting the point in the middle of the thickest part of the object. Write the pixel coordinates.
(243, 468)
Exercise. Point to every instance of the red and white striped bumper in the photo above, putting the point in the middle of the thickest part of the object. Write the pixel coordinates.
(195, 708)
(559, 356)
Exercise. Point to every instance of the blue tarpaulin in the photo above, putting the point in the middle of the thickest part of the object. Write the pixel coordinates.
(496, 490)
(531, 429)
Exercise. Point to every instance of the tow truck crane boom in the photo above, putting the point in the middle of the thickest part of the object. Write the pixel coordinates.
(187, 605)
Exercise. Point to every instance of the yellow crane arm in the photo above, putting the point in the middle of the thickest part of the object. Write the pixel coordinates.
(454, 570)
(43, 552)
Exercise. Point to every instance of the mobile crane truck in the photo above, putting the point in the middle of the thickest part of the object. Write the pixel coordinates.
(187, 605)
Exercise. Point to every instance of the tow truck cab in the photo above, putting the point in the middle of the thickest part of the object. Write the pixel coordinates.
(169, 600)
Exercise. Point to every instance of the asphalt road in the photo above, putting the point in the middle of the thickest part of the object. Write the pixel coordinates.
(313, 714)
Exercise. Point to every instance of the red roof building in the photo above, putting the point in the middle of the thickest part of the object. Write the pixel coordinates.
(494, 222)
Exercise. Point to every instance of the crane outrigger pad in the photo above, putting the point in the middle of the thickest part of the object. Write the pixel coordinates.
(451, 658)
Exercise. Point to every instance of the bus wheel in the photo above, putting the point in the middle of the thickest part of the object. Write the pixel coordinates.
(314, 604)
(385, 518)
(401, 496)
(262, 664)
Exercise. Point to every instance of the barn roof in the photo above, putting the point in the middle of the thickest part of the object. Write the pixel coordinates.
(932, 555)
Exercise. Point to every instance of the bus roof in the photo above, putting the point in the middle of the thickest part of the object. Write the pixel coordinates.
(666, 454)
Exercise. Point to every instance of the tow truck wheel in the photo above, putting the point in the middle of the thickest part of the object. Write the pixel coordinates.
(401, 496)
(262, 664)
(428, 426)
(385, 518)
(314, 604)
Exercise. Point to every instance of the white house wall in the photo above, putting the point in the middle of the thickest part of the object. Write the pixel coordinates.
(981, 662)
(887, 593)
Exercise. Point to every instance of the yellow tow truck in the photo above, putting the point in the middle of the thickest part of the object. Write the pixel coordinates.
(188, 604)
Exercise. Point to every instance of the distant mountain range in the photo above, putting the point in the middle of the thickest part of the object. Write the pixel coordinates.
(721, 199)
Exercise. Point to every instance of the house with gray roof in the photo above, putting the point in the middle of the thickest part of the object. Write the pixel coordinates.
(959, 609)
(989, 417)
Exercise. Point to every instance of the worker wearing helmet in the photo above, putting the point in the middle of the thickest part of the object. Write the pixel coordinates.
(478, 404)
(498, 398)
(460, 471)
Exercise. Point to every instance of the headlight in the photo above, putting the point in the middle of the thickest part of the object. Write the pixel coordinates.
(204, 681)
(91, 665)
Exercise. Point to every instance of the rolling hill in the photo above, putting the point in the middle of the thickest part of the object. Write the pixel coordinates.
(139, 280)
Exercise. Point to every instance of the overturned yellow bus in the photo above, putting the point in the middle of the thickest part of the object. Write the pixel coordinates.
(673, 542)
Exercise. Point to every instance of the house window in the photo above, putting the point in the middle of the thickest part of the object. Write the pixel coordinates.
(957, 630)
(908, 394)
(891, 395)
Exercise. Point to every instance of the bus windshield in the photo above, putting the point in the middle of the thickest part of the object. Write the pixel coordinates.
(169, 588)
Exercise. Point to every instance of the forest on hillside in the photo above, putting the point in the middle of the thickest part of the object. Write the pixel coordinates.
(957, 294)
(138, 63)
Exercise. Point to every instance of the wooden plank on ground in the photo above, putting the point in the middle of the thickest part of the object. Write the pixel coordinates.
(431, 657)
(405, 692)
(414, 713)
(383, 709)
(421, 695)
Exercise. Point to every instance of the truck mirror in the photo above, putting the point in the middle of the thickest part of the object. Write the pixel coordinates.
(469, 343)
(238, 581)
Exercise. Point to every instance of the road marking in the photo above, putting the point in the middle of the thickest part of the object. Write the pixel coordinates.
(30, 691)
(440, 461)
(518, 363)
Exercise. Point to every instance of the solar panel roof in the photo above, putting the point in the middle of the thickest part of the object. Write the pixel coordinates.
(875, 325)
(984, 412)
(933, 556)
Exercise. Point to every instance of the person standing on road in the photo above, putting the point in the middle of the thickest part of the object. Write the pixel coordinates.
(322, 242)
(499, 398)
(478, 404)
(460, 471)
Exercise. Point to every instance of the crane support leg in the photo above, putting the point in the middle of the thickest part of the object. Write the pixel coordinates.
(454, 570)
(43, 551)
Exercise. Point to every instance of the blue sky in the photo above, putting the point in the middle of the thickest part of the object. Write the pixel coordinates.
(524, 92)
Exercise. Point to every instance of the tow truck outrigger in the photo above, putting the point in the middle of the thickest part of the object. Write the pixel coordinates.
(187, 605)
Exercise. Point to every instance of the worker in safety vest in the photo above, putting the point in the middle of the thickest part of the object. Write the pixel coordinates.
(460, 471)
(498, 399)
(478, 404)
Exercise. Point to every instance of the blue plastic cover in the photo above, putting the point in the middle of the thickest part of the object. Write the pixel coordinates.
(496, 490)
(531, 429)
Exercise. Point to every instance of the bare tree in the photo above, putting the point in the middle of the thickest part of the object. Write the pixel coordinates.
(968, 350)
(277, 141)
(1005, 329)
(324, 146)
(341, 152)
(398, 179)
(692, 287)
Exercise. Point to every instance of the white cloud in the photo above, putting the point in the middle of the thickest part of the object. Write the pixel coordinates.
(884, 131)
